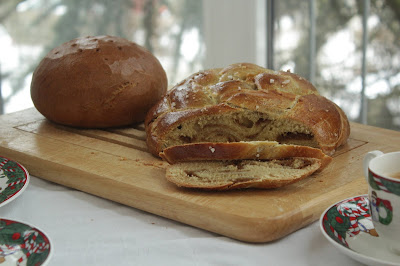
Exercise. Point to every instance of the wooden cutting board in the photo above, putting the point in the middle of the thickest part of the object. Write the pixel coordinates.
(114, 164)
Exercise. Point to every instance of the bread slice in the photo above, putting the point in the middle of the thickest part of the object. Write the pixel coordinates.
(237, 174)
(257, 150)
(234, 165)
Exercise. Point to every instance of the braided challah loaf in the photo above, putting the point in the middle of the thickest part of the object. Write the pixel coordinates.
(245, 102)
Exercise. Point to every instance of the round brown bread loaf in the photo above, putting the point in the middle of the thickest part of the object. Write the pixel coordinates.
(245, 102)
(97, 82)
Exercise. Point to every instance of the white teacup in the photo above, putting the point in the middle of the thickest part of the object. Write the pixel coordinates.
(382, 171)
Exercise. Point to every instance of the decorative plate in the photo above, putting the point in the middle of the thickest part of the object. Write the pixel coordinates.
(13, 180)
(348, 226)
(22, 244)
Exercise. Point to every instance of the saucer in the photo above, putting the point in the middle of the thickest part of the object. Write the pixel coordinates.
(22, 244)
(14, 179)
(348, 226)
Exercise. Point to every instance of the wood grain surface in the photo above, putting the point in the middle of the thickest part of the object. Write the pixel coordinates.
(114, 164)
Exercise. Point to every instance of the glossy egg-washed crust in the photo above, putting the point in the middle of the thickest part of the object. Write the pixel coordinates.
(245, 87)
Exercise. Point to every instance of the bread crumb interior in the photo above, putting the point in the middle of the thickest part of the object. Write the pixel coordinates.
(239, 126)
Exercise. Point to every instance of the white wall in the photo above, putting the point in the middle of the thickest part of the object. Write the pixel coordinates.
(234, 32)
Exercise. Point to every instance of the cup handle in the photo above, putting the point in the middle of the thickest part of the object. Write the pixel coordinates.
(367, 158)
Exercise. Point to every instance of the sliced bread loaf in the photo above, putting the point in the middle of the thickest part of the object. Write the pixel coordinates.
(245, 102)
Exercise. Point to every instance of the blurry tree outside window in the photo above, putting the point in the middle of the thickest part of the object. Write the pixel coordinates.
(338, 53)
(29, 29)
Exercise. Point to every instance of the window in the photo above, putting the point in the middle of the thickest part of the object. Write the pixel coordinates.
(172, 30)
(349, 49)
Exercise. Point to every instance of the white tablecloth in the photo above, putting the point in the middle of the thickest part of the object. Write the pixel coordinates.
(88, 230)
